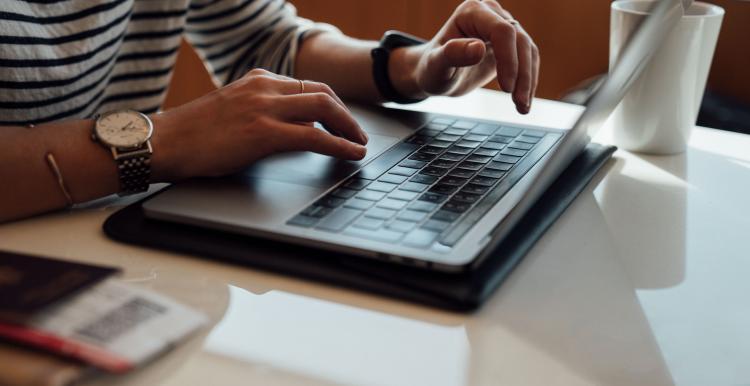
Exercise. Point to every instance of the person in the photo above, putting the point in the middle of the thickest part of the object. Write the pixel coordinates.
(63, 63)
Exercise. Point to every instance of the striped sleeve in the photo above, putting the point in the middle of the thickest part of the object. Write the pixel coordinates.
(234, 36)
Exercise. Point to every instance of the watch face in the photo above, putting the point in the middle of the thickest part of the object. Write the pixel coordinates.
(123, 129)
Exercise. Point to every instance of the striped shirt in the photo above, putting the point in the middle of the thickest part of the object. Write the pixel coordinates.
(62, 59)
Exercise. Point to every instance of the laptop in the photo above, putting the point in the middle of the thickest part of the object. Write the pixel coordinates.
(435, 192)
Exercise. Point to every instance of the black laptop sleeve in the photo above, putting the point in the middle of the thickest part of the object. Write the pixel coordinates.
(459, 292)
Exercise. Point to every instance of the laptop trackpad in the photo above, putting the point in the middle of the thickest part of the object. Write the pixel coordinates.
(315, 170)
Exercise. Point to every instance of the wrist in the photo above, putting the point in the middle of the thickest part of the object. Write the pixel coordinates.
(402, 69)
(165, 163)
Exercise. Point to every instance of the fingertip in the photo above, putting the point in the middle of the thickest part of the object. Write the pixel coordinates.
(359, 152)
(475, 50)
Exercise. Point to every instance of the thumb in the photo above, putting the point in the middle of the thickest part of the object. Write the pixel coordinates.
(462, 52)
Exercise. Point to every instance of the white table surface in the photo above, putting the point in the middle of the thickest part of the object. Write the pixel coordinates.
(643, 281)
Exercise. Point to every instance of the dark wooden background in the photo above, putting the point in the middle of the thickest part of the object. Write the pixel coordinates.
(573, 38)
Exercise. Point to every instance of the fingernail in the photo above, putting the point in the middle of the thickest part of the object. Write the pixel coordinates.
(365, 138)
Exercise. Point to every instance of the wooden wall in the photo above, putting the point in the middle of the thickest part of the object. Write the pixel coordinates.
(573, 39)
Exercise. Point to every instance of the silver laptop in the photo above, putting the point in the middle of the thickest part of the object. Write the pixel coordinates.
(436, 192)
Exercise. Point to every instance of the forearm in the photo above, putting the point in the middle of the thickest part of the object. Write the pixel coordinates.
(345, 64)
(28, 185)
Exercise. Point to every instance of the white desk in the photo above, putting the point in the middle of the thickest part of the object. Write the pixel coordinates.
(643, 281)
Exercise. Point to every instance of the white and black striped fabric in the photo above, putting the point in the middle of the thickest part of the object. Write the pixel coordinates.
(62, 59)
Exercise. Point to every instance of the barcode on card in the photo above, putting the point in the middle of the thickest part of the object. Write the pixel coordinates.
(121, 320)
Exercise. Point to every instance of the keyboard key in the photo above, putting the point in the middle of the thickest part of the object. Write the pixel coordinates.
(507, 159)
(441, 163)
(423, 179)
(479, 159)
(509, 131)
(381, 213)
(440, 144)
(461, 173)
(501, 138)
(338, 220)
(468, 144)
(451, 157)
(403, 195)
(476, 137)
(429, 132)
(402, 171)
(451, 180)
(384, 235)
(382, 186)
(390, 203)
(330, 202)
(343, 193)
(392, 178)
(301, 220)
(316, 211)
(459, 150)
(357, 183)
(387, 160)
(420, 238)
(430, 150)
(414, 187)
(448, 137)
(371, 195)
(485, 129)
(412, 164)
(434, 171)
(528, 139)
(454, 131)
(456, 206)
(492, 173)
(473, 166)
(433, 197)
(493, 146)
(401, 226)
(485, 152)
(442, 121)
(521, 145)
(464, 125)
(474, 189)
(483, 181)
(436, 225)
(534, 133)
(357, 203)
(513, 152)
(412, 216)
(443, 189)
(468, 198)
(423, 206)
(444, 215)
(502, 166)
(423, 157)
(368, 223)
(419, 139)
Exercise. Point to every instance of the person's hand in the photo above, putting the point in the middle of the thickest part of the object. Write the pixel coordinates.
(481, 40)
(256, 116)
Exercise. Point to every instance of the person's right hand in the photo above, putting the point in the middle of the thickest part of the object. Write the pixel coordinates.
(256, 116)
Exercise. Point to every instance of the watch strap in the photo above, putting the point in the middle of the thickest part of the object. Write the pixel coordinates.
(380, 58)
(134, 173)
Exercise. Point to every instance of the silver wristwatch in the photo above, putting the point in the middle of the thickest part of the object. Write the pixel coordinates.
(127, 134)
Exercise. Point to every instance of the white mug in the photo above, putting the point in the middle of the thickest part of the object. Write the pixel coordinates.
(661, 108)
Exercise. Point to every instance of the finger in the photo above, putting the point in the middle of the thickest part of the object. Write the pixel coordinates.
(478, 20)
(306, 138)
(525, 80)
(455, 53)
(537, 64)
(290, 86)
(321, 107)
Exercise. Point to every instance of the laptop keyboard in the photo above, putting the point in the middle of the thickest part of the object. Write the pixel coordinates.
(432, 187)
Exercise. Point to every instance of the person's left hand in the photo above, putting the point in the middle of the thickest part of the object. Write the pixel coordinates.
(481, 40)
